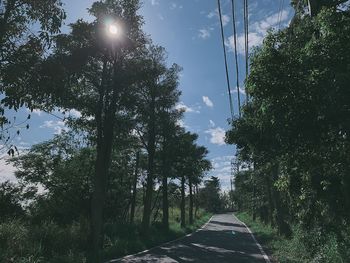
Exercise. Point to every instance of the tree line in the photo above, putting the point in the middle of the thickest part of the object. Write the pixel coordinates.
(294, 132)
(125, 159)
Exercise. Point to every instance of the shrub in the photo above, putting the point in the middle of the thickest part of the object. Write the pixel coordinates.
(48, 242)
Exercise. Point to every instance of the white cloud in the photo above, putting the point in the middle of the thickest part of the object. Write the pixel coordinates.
(174, 5)
(225, 19)
(241, 90)
(161, 17)
(35, 111)
(257, 31)
(182, 124)
(217, 135)
(184, 107)
(154, 2)
(212, 124)
(57, 126)
(222, 170)
(204, 33)
(208, 102)
(271, 21)
(7, 171)
(74, 113)
(215, 14)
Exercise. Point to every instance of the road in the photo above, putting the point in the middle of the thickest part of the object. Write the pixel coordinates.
(223, 239)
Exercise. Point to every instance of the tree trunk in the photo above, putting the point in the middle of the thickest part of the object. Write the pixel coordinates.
(134, 189)
(149, 192)
(165, 203)
(270, 201)
(254, 201)
(183, 217)
(105, 119)
(282, 225)
(191, 201)
(165, 218)
(103, 158)
(195, 201)
(150, 167)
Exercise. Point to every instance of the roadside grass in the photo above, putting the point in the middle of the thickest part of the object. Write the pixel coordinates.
(265, 234)
(126, 239)
(312, 246)
(49, 242)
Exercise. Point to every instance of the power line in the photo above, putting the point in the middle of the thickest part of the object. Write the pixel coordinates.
(280, 13)
(246, 44)
(225, 58)
(236, 56)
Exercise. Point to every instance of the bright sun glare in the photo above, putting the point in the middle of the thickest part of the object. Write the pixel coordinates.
(113, 30)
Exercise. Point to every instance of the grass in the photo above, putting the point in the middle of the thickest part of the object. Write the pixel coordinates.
(265, 234)
(312, 246)
(22, 242)
(122, 240)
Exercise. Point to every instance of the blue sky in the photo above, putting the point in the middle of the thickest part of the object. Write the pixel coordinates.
(190, 32)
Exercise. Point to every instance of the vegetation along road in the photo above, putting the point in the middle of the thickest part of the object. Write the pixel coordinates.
(223, 239)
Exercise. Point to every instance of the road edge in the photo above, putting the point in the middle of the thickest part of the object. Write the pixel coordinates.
(166, 243)
(265, 256)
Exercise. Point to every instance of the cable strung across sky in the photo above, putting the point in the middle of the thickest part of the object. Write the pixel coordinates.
(236, 55)
(225, 58)
(246, 51)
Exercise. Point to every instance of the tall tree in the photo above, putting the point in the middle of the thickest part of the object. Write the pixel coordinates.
(26, 31)
(295, 128)
(157, 93)
(90, 70)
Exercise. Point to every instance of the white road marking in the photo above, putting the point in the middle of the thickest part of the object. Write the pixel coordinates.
(256, 242)
(160, 246)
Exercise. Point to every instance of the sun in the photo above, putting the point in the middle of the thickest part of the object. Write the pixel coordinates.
(113, 30)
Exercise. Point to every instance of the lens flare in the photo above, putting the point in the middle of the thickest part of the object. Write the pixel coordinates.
(113, 30)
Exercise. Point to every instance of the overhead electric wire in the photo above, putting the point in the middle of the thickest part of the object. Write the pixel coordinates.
(236, 56)
(280, 13)
(225, 58)
(246, 45)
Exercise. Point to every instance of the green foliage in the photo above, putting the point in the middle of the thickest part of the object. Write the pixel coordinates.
(57, 177)
(304, 246)
(22, 47)
(209, 195)
(126, 94)
(10, 201)
(48, 242)
(52, 243)
(295, 129)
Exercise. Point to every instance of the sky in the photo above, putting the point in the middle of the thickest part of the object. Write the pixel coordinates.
(190, 32)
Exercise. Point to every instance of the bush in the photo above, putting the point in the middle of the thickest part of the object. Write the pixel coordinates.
(315, 245)
(45, 243)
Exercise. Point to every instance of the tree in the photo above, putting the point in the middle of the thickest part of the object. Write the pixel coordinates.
(199, 166)
(10, 201)
(209, 195)
(189, 164)
(23, 46)
(157, 93)
(62, 168)
(91, 72)
(295, 130)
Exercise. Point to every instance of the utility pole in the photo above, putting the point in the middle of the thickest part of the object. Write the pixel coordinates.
(234, 171)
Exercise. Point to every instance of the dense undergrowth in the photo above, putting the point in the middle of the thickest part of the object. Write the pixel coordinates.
(304, 246)
(22, 242)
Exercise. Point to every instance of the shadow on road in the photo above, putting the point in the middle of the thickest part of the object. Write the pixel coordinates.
(223, 240)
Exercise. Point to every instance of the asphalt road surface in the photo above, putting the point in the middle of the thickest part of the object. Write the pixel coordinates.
(223, 239)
